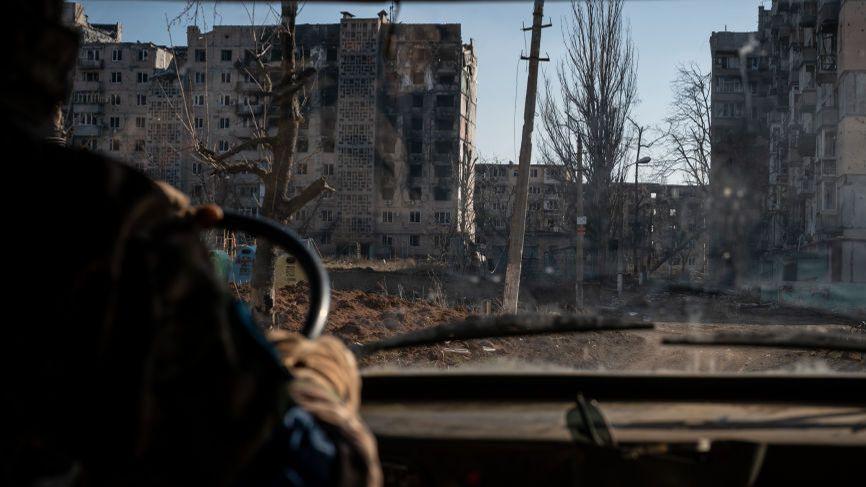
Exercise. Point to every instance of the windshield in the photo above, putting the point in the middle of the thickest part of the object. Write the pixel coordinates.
(696, 166)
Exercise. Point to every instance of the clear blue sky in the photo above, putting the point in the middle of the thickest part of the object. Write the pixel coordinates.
(666, 33)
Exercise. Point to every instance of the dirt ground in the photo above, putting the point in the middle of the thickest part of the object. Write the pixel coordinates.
(359, 316)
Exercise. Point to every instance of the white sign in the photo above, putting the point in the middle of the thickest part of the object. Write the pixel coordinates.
(581, 220)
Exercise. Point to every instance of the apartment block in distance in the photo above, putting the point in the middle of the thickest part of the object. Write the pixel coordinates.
(548, 250)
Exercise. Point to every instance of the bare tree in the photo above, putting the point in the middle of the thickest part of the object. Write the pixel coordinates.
(492, 199)
(597, 89)
(278, 89)
(464, 228)
(688, 140)
(688, 128)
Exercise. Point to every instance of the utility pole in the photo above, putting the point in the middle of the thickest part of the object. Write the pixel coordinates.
(634, 228)
(518, 215)
(579, 230)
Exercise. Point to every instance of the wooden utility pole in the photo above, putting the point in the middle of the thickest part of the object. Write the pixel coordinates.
(518, 215)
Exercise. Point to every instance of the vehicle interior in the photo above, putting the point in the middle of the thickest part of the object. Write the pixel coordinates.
(589, 242)
(559, 427)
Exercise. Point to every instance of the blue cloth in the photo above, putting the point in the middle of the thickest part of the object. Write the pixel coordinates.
(299, 453)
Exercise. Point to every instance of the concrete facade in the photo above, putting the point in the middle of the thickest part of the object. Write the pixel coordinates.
(669, 237)
(549, 241)
(804, 68)
(389, 122)
(739, 169)
(123, 104)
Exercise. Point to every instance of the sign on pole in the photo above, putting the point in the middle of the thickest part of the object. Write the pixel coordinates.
(581, 220)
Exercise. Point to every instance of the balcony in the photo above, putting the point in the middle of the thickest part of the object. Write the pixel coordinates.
(827, 63)
(805, 186)
(89, 86)
(806, 145)
(90, 64)
(87, 130)
(87, 108)
(827, 116)
(828, 13)
(242, 109)
(807, 101)
(808, 14)
(808, 54)
(827, 222)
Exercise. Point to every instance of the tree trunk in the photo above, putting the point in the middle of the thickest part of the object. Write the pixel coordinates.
(262, 281)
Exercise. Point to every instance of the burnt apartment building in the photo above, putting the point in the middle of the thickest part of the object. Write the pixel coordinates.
(738, 175)
(798, 87)
(389, 122)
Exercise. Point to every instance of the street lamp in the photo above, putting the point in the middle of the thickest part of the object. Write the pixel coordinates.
(637, 163)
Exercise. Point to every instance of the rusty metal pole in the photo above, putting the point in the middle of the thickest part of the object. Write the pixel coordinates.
(518, 215)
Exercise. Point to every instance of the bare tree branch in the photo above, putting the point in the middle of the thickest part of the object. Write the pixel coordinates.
(212, 157)
(688, 132)
(588, 112)
(290, 206)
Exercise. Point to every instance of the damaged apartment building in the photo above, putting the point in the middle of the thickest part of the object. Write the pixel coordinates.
(548, 249)
(789, 145)
(662, 229)
(124, 99)
(389, 122)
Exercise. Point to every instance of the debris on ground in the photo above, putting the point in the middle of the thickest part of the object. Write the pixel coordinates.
(361, 317)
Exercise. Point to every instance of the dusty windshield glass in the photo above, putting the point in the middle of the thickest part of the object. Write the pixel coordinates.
(634, 174)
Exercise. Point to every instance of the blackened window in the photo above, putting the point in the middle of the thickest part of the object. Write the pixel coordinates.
(443, 146)
(443, 171)
(445, 79)
(417, 123)
(415, 194)
(445, 123)
(200, 55)
(226, 55)
(415, 146)
(327, 144)
(417, 100)
(415, 170)
(441, 194)
(303, 145)
(329, 124)
(445, 101)
(329, 96)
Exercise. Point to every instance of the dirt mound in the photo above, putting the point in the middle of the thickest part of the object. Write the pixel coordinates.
(359, 317)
